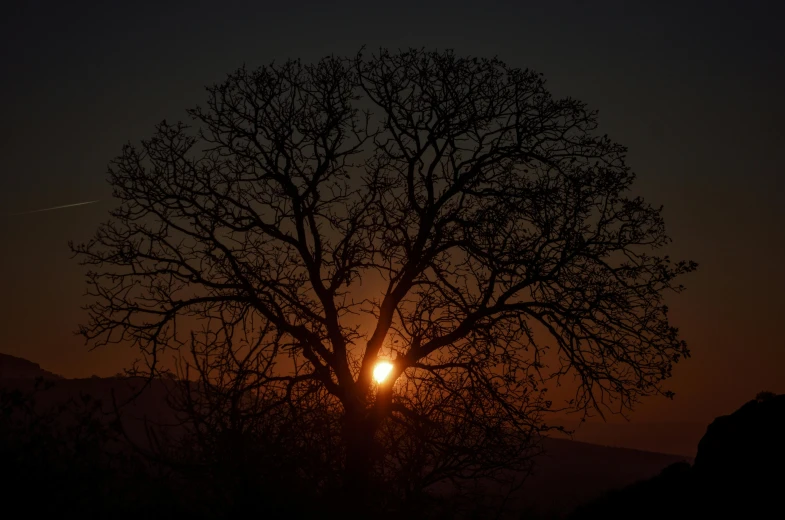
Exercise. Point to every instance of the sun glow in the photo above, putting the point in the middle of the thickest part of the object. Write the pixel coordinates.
(381, 371)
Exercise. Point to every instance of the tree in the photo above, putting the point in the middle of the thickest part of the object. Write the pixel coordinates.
(444, 213)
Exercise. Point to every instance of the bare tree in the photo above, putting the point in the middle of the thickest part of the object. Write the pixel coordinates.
(446, 214)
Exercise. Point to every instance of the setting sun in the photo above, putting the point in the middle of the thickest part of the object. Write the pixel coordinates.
(381, 371)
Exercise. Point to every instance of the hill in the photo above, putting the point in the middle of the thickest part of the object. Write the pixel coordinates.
(12, 367)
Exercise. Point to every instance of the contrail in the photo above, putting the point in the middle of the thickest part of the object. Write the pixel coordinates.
(56, 207)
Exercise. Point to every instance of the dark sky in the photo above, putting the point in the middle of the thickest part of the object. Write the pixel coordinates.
(695, 92)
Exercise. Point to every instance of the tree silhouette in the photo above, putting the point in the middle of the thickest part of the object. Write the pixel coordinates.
(441, 212)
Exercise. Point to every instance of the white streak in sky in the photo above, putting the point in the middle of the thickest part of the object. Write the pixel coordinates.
(56, 207)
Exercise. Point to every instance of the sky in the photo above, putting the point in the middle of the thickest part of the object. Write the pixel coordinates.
(693, 91)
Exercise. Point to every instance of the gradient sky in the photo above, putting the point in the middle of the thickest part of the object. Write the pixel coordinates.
(694, 92)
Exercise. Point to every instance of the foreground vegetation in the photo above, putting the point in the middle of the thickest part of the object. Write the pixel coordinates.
(75, 457)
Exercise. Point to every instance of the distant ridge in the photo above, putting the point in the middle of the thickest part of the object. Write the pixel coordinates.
(12, 367)
(677, 438)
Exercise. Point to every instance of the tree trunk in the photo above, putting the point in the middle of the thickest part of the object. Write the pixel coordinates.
(359, 489)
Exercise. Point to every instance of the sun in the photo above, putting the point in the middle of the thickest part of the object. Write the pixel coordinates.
(382, 370)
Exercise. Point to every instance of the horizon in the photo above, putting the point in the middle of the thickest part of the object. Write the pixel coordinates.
(639, 436)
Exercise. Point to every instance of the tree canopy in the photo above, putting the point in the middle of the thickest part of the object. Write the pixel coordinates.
(444, 213)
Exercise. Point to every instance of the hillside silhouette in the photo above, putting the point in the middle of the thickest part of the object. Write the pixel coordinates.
(737, 470)
(12, 367)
